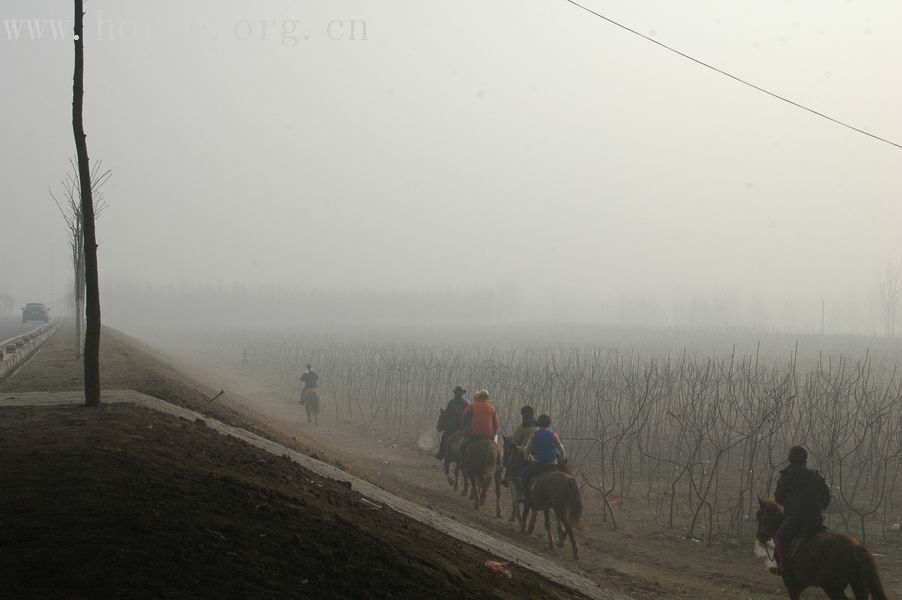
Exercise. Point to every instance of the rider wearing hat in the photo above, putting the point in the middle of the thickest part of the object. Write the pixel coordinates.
(804, 495)
(453, 413)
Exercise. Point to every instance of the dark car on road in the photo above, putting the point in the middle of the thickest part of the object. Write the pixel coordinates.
(35, 312)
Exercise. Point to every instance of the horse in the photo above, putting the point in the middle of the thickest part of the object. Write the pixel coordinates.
(558, 491)
(447, 421)
(310, 401)
(482, 465)
(516, 460)
(825, 559)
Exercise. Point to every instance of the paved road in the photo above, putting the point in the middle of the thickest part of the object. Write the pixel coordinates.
(11, 326)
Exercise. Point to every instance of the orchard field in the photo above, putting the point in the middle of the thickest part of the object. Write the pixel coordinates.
(682, 432)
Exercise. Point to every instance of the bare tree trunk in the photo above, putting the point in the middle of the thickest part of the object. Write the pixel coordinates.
(78, 311)
(92, 288)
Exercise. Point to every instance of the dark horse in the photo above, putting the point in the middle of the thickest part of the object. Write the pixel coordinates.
(447, 422)
(828, 560)
(516, 459)
(557, 491)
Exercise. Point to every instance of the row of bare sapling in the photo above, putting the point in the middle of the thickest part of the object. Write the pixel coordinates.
(685, 442)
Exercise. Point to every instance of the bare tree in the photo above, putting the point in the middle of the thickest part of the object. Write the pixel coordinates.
(890, 291)
(69, 206)
(92, 284)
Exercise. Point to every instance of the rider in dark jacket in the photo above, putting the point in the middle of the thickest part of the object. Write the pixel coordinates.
(451, 418)
(804, 495)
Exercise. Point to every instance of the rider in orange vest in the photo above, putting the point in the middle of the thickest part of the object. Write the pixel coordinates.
(480, 421)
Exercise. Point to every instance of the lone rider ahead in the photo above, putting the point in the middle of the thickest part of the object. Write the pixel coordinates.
(804, 495)
(310, 394)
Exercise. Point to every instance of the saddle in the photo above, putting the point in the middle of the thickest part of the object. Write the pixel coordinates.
(800, 539)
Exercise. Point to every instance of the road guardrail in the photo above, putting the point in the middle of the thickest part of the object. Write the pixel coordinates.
(16, 350)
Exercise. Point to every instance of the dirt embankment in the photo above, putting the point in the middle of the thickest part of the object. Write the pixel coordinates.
(124, 502)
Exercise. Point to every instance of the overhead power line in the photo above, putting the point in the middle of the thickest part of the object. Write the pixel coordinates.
(734, 77)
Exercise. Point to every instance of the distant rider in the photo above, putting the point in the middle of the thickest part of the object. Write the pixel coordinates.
(310, 394)
(804, 495)
(521, 435)
(452, 417)
(479, 420)
(545, 451)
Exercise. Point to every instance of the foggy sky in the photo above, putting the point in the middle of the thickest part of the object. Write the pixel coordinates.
(464, 144)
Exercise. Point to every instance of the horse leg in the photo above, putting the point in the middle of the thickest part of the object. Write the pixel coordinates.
(548, 529)
(474, 487)
(515, 514)
(532, 521)
(573, 545)
(565, 530)
(561, 531)
(497, 496)
(793, 589)
(486, 485)
(836, 594)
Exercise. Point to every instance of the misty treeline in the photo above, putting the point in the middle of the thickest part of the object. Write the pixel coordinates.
(687, 440)
(239, 305)
(871, 312)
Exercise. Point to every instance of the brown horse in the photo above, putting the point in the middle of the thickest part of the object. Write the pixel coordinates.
(556, 491)
(516, 461)
(310, 402)
(482, 467)
(453, 456)
(828, 560)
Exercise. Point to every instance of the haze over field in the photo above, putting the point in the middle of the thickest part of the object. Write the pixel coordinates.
(521, 152)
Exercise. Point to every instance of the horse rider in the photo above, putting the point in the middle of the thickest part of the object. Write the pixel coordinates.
(804, 495)
(453, 413)
(310, 393)
(544, 451)
(310, 378)
(521, 435)
(479, 420)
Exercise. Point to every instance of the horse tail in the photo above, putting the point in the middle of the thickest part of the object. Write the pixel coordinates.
(867, 570)
(574, 503)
